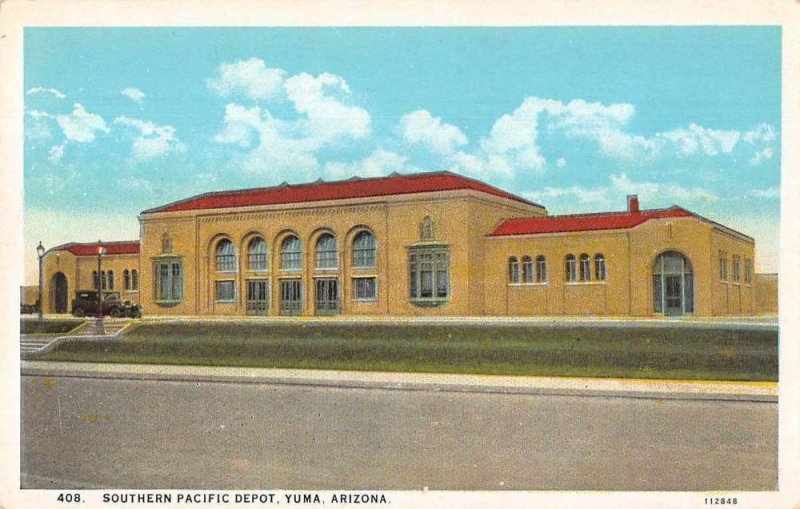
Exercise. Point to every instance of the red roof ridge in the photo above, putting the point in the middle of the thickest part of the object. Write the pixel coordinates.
(113, 247)
(332, 190)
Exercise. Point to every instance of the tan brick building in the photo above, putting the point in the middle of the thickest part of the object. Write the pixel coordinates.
(425, 244)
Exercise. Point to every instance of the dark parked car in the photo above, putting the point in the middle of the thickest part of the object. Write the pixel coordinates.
(28, 309)
(85, 303)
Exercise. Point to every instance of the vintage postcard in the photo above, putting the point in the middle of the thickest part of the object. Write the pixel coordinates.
(400, 254)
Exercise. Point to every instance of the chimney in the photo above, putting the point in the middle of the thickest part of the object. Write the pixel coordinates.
(633, 204)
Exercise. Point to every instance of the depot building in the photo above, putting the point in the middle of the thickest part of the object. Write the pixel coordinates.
(430, 244)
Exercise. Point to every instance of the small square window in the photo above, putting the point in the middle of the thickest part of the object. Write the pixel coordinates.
(365, 288)
(225, 291)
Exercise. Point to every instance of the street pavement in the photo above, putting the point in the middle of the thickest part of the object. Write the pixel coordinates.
(227, 433)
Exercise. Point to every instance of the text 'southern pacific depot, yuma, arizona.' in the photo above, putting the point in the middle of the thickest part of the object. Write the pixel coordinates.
(421, 244)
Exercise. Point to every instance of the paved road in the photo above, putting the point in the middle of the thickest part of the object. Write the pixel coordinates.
(156, 434)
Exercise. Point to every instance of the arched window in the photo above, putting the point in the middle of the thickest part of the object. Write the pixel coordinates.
(327, 255)
(737, 270)
(257, 254)
(364, 249)
(541, 269)
(585, 268)
(126, 279)
(599, 267)
(110, 279)
(103, 279)
(527, 269)
(226, 256)
(134, 279)
(291, 253)
(570, 268)
(673, 284)
(513, 270)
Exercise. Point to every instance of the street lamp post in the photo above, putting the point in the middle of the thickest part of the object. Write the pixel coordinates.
(99, 329)
(40, 251)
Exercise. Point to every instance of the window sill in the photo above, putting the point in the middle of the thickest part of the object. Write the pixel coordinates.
(225, 302)
(527, 285)
(167, 303)
(366, 301)
(365, 267)
(582, 283)
(430, 303)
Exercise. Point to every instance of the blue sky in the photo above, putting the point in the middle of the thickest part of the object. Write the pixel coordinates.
(119, 120)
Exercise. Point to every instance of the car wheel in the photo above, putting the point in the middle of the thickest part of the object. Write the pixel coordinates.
(115, 312)
(78, 312)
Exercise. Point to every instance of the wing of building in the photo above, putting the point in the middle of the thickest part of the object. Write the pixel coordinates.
(423, 244)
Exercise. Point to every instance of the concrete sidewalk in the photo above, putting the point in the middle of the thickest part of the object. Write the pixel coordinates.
(557, 386)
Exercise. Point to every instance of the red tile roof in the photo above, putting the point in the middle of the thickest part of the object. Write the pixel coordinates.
(584, 222)
(394, 184)
(90, 249)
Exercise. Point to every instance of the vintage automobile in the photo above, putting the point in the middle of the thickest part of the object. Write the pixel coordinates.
(85, 304)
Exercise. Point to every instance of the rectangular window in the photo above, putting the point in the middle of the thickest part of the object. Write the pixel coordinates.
(748, 270)
(169, 280)
(571, 270)
(225, 291)
(429, 273)
(736, 268)
(541, 270)
(723, 266)
(365, 288)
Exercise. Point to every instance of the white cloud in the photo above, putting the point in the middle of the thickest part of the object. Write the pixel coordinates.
(772, 192)
(761, 156)
(81, 125)
(53, 91)
(421, 127)
(762, 132)
(695, 137)
(249, 78)
(153, 140)
(56, 153)
(240, 125)
(134, 94)
(561, 162)
(612, 196)
(328, 117)
(380, 162)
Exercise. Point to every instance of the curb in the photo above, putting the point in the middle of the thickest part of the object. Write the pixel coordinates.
(486, 384)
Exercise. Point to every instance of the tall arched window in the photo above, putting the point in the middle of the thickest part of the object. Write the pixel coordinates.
(364, 250)
(327, 255)
(570, 268)
(226, 256)
(513, 270)
(291, 253)
(110, 279)
(527, 269)
(585, 268)
(257, 254)
(134, 279)
(673, 284)
(541, 269)
(126, 279)
(599, 267)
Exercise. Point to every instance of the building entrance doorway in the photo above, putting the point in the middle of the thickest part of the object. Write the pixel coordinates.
(326, 296)
(257, 297)
(291, 302)
(673, 284)
(60, 292)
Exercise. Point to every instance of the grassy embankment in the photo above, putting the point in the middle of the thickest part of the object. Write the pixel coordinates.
(668, 352)
(32, 326)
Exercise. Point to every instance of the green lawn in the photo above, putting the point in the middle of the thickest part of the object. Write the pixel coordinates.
(32, 326)
(670, 352)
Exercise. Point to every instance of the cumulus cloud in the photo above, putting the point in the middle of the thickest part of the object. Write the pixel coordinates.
(39, 90)
(380, 162)
(56, 153)
(249, 78)
(153, 140)
(561, 162)
(328, 117)
(80, 125)
(421, 127)
(761, 156)
(612, 196)
(710, 141)
(134, 94)
(772, 192)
